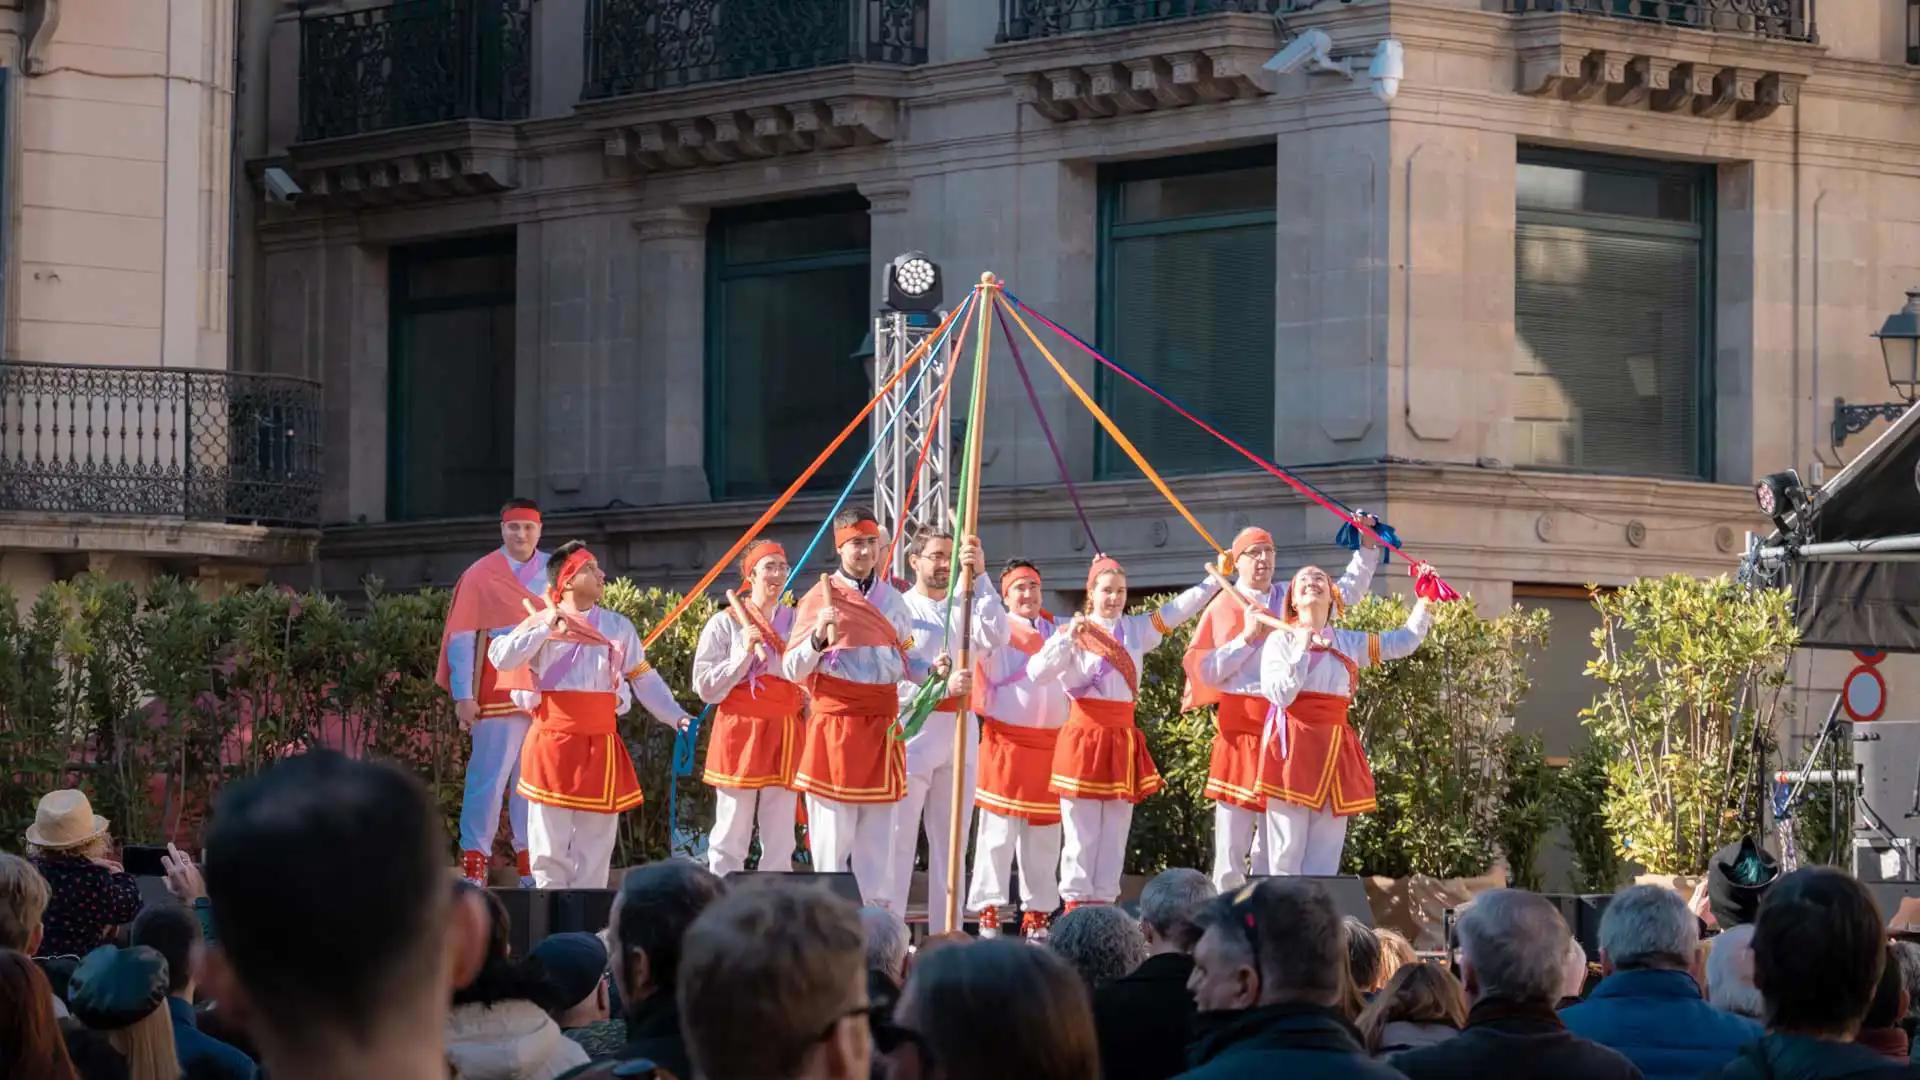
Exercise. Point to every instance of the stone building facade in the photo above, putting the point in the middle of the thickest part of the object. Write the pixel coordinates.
(1548, 308)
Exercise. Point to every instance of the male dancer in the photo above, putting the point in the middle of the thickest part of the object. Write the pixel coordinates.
(755, 742)
(1222, 669)
(575, 666)
(487, 601)
(851, 636)
(1020, 722)
(930, 750)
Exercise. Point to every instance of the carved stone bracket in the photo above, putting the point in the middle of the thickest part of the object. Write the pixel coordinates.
(464, 157)
(1106, 74)
(1669, 70)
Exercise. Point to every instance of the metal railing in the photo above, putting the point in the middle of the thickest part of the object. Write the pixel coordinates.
(160, 442)
(1786, 20)
(1022, 20)
(414, 62)
(639, 46)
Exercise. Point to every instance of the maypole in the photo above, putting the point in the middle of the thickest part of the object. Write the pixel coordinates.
(969, 520)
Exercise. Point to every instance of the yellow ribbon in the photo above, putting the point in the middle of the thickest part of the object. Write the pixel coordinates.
(1113, 429)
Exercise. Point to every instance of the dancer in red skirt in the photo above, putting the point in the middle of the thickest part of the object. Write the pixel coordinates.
(1101, 767)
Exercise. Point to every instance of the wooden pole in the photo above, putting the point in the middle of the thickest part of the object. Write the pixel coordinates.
(969, 520)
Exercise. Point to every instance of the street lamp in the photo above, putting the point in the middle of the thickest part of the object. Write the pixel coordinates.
(1899, 339)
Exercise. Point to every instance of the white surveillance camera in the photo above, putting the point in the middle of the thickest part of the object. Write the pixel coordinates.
(1388, 68)
(280, 185)
(1312, 45)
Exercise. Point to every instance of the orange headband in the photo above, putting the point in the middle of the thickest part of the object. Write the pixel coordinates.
(1249, 538)
(1018, 573)
(568, 571)
(756, 551)
(521, 513)
(1103, 564)
(842, 534)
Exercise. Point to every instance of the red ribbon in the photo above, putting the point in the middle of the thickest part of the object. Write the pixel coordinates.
(1427, 584)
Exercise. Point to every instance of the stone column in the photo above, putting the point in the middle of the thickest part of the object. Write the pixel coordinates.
(671, 278)
(888, 206)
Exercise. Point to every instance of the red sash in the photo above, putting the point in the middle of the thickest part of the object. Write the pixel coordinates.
(1016, 764)
(850, 754)
(1233, 769)
(1323, 760)
(1102, 755)
(861, 624)
(487, 597)
(755, 742)
(573, 757)
(1108, 648)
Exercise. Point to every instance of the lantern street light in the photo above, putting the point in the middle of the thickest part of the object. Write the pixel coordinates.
(1899, 339)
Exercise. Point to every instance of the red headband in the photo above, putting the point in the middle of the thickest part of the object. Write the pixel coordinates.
(520, 513)
(844, 533)
(1249, 538)
(568, 571)
(1103, 564)
(1018, 573)
(756, 551)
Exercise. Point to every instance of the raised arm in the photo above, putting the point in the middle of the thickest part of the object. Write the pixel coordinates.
(1395, 644)
(720, 660)
(1359, 576)
(1155, 627)
(990, 629)
(517, 647)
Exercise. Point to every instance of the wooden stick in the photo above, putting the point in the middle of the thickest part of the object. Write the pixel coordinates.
(962, 810)
(1256, 614)
(733, 608)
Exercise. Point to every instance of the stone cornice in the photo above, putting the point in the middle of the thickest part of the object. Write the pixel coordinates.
(157, 538)
(459, 157)
(1105, 73)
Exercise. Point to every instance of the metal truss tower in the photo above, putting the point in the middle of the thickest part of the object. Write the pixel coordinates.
(895, 335)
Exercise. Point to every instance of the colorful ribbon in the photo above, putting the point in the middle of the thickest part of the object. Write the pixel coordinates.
(1059, 459)
(1349, 537)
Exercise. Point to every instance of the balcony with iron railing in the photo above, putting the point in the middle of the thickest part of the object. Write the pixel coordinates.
(644, 46)
(1779, 20)
(172, 443)
(1025, 20)
(414, 62)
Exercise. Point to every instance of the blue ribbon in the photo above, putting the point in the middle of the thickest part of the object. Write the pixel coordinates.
(1349, 537)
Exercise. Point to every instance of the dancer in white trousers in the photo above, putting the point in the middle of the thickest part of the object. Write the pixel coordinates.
(754, 745)
(1223, 670)
(487, 600)
(1313, 769)
(1020, 724)
(1101, 767)
(851, 635)
(575, 666)
(930, 763)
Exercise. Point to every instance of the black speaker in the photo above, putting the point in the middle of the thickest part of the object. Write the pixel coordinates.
(580, 910)
(1582, 911)
(842, 885)
(528, 915)
(1349, 893)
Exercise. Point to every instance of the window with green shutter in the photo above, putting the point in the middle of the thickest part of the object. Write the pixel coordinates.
(1612, 322)
(788, 303)
(1186, 302)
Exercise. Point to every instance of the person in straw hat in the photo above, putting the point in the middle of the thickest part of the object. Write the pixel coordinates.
(91, 895)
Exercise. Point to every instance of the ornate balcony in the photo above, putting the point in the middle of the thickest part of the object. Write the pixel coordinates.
(1780, 20)
(643, 46)
(1024, 20)
(414, 62)
(204, 446)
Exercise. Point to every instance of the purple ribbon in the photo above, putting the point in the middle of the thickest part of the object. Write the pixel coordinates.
(1040, 415)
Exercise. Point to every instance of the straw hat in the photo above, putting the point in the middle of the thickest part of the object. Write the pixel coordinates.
(1905, 923)
(64, 819)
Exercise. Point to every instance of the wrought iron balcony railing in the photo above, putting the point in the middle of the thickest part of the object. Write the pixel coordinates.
(639, 46)
(414, 62)
(1785, 20)
(1021, 20)
(160, 442)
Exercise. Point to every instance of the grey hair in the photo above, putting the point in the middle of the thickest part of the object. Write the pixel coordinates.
(1516, 945)
(1170, 902)
(887, 940)
(1102, 942)
(1908, 954)
(1647, 926)
(1727, 990)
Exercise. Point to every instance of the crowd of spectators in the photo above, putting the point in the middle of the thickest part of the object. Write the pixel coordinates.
(325, 937)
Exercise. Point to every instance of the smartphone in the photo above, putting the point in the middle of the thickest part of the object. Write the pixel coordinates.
(143, 860)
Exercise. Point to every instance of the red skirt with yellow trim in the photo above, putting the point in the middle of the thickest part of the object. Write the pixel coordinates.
(1102, 755)
(756, 735)
(573, 757)
(489, 696)
(1324, 760)
(1016, 764)
(1233, 770)
(850, 754)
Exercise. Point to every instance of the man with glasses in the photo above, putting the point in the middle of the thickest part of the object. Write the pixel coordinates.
(1267, 975)
(773, 983)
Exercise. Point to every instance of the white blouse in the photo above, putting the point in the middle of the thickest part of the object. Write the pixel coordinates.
(1082, 674)
(580, 665)
(723, 659)
(1014, 698)
(866, 664)
(1230, 668)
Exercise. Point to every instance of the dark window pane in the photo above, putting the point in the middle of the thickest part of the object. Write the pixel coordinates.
(1660, 195)
(764, 240)
(482, 274)
(452, 422)
(1222, 192)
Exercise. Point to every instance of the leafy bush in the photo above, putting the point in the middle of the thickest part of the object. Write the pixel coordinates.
(1580, 802)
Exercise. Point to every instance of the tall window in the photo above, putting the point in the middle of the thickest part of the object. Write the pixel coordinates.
(788, 302)
(450, 379)
(1186, 302)
(1612, 263)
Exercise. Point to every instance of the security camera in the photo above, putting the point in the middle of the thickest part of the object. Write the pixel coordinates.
(1309, 45)
(280, 186)
(1388, 68)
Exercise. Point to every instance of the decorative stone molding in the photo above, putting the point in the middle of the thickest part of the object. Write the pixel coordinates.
(1138, 69)
(1664, 69)
(671, 223)
(459, 157)
(834, 108)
